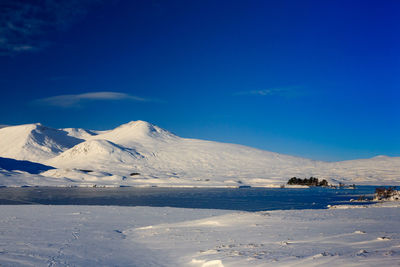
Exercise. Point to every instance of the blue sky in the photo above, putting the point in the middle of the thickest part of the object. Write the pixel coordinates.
(318, 79)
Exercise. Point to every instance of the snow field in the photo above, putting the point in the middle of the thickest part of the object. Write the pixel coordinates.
(144, 236)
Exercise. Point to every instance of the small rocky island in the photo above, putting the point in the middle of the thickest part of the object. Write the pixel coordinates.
(386, 194)
(312, 181)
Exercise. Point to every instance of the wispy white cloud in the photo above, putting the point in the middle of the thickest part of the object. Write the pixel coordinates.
(284, 91)
(23, 24)
(78, 100)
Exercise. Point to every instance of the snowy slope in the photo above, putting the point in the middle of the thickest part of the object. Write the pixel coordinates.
(95, 152)
(161, 156)
(157, 157)
(381, 170)
(138, 134)
(34, 142)
(79, 133)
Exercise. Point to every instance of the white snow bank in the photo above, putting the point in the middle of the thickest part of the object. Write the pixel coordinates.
(82, 235)
(361, 237)
(143, 236)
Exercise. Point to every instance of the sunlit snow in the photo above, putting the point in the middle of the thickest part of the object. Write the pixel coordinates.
(141, 154)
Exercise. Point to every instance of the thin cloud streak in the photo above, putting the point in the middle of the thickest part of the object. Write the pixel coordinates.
(77, 100)
(287, 92)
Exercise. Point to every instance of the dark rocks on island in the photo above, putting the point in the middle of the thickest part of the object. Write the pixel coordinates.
(312, 181)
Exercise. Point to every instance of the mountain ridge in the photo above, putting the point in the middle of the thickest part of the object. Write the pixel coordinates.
(34, 142)
(158, 157)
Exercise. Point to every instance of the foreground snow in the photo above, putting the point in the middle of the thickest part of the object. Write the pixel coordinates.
(141, 154)
(143, 236)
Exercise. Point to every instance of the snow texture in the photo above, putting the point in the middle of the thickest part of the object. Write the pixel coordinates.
(144, 236)
(157, 157)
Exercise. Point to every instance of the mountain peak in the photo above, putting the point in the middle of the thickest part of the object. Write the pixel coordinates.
(137, 124)
(138, 131)
(34, 142)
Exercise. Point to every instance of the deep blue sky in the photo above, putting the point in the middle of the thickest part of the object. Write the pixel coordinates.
(318, 79)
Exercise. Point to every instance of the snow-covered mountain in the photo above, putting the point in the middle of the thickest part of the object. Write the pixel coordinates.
(139, 153)
(378, 170)
(34, 142)
(94, 152)
(79, 133)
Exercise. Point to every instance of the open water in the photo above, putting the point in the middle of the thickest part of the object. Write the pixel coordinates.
(246, 199)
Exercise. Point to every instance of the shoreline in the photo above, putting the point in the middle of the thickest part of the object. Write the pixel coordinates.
(272, 186)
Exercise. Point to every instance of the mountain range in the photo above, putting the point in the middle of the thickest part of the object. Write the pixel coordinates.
(139, 153)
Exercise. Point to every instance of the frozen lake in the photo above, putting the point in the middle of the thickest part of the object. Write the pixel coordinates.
(246, 199)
